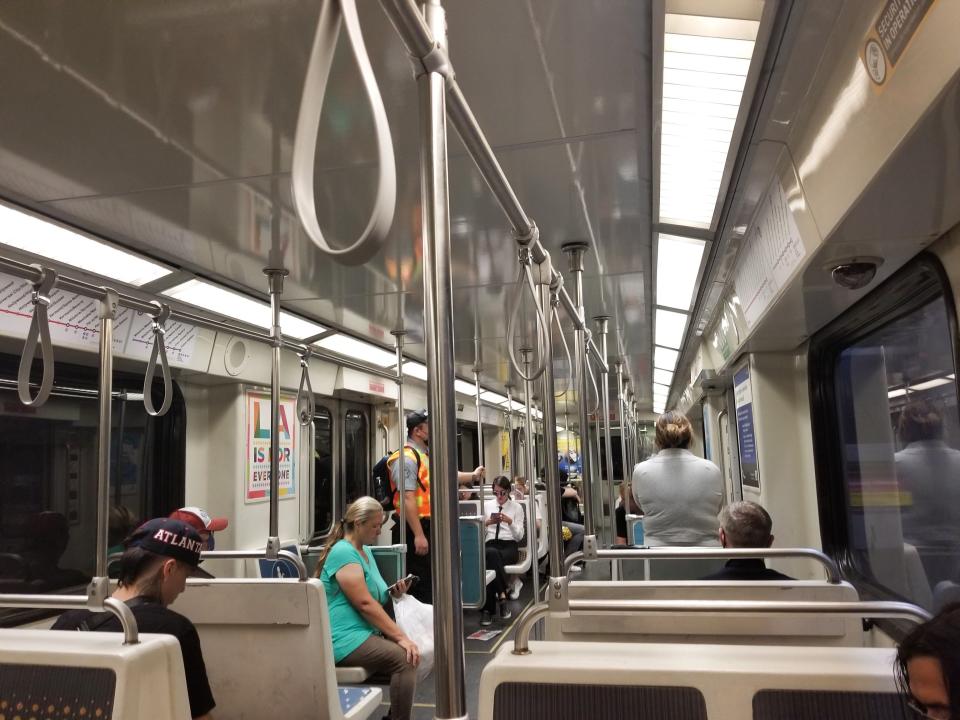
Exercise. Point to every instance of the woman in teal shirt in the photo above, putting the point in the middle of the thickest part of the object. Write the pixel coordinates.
(363, 633)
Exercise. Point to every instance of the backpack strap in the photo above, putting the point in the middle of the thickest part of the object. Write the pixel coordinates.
(98, 620)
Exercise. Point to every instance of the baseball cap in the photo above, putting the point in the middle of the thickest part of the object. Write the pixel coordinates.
(170, 538)
(415, 418)
(200, 519)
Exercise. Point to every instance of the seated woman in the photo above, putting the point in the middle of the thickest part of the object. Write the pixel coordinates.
(504, 521)
(363, 633)
(679, 492)
(928, 666)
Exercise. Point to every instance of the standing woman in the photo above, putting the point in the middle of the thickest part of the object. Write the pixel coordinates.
(504, 520)
(679, 492)
(363, 634)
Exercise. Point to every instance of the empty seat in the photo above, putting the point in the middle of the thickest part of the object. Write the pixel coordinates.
(91, 675)
(711, 627)
(246, 625)
(604, 681)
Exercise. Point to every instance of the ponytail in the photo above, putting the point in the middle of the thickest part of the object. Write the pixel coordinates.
(336, 536)
(358, 511)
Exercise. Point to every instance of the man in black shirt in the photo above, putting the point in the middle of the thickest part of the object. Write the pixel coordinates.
(746, 524)
(158, 558)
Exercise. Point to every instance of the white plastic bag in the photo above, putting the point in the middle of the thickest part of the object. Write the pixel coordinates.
(416, 620)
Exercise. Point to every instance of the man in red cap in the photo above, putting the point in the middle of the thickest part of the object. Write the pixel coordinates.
(200, 520)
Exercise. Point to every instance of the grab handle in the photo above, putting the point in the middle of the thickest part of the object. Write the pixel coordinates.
(306, 406)
(159, 350)
(39, 332)
(525, 279)
(308, 125)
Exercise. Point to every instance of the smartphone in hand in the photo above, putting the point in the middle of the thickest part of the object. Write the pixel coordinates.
(412, 579)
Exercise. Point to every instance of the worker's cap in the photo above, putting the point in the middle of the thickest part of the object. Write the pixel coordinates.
(200, 519)
(416, 418)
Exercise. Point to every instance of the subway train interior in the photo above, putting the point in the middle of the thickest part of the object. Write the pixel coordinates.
(246, 245)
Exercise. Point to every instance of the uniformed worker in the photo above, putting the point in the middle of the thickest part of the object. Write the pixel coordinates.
(416, 491)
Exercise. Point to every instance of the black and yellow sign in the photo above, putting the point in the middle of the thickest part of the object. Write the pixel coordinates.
(890, 35)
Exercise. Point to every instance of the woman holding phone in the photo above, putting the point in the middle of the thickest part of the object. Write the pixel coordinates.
(363, 634)
(504, 520)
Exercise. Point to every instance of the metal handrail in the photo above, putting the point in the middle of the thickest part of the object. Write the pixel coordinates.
(78, 602)
(256, 555)
(689, 553)
(870, 609)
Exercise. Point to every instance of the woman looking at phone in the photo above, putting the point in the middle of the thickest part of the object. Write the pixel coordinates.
(504, 521)
(363, 634)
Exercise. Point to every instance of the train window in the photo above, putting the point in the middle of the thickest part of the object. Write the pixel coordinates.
(323, 471)
(48, 483)
(887, 393)
(356, 455)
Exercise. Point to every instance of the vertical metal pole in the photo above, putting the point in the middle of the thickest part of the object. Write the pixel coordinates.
(602, 331)
(108, 312)
(550, 468)
(509, 422)
(575, 251)
(622, 412)
(530, 471)
(438, 333)
(275, 280)
(401, 520)
(480, 449)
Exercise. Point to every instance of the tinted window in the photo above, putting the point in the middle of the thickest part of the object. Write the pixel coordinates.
(899, 439)
(323, 471)
(355, 455)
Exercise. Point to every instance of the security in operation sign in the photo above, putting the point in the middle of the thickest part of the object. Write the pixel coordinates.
(257, 432)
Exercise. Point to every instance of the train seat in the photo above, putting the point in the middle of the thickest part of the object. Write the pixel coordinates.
(604, 681)
(91, 674)
(710, 627)
(267, 648)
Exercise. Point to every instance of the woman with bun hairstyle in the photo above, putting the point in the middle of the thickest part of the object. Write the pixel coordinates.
(679, 492)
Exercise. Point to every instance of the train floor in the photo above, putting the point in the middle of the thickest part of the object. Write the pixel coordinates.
(477, 652)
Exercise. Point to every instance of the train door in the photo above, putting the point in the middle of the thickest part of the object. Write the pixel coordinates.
(355, 451)
(324, 442)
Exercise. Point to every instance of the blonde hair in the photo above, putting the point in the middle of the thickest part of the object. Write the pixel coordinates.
(359, 511)
(673, 430)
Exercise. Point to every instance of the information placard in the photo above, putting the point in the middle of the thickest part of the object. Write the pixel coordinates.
(257, 433)
(746, 436)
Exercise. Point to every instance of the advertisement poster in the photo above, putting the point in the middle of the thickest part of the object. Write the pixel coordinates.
(257, 433)
(746, 437)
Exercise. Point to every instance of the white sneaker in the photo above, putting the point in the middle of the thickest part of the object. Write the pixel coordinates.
(514, 591)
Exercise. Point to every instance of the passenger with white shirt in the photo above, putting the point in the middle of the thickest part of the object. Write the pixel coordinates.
(679, 492)
(504, 521)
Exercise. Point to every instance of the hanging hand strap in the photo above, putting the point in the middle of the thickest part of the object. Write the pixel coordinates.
(555, 317)
(525, 280)
(306, 406)
(586, 369)
(308, 126)
(159, 350)
(39, 330)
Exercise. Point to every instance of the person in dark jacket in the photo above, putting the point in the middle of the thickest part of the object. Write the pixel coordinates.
(746, 524)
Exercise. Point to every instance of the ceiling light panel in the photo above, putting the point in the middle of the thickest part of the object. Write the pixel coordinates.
(664, 377)
(659, 389)
(358, 350)
(40, 237)
(240, 307)
(670, 327)
(705, 66)
(665, 358)
(678, 267)
(492, 397)
(415, 369)
(465, 388)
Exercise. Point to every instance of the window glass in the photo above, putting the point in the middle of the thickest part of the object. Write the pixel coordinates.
(323, 471)
(48, 481)
(355, 455)
(897, 413)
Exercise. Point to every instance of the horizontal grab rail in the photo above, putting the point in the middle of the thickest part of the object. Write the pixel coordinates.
(869, 609)
(690, 553)
(256, 555)
(78, 602)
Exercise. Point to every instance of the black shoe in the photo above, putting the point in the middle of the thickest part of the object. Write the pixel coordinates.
(486, 619)
(505, 612)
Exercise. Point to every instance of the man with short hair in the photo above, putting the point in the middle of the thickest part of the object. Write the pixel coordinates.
(416, 499)
(746, 524)
(158, 558)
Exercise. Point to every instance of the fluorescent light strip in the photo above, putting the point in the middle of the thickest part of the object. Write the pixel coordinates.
(670, 327)
(665, 358)
(662, 389)
(664, 377)
(897, 393)
(930, 384)
(415, 369)
(678, 266)
(358, 349)
(240, 307)
(700, 45)
(45, 238)
(490, 396)
(465, 388)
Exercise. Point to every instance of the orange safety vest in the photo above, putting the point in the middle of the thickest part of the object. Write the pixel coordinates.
(423, 480)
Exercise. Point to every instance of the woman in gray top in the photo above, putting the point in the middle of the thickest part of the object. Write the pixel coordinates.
(679, 492)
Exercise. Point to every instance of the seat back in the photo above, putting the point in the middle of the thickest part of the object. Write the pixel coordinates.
(91, 674)
(711, 627)
(266, 645)
(473, 562)
(608, 681)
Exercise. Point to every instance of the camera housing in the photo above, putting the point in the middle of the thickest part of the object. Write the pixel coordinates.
(854, 273)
